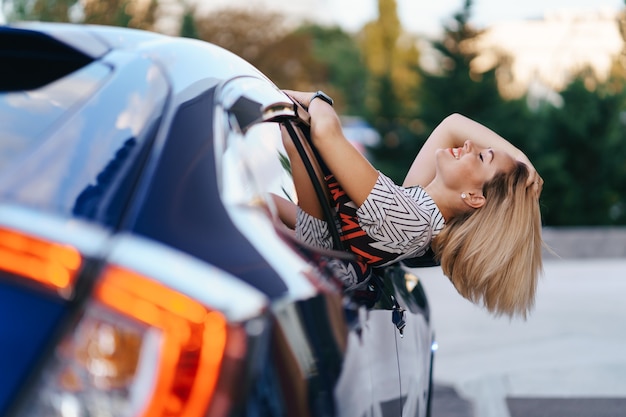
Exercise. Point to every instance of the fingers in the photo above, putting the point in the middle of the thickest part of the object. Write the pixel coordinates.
(536, 182)
(303, 98)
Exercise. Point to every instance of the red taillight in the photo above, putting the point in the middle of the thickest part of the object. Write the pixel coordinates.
(194, 339)
(140, 347)
(51, 264)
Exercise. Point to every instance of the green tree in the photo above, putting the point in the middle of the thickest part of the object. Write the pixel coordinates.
(453, 87)
(583, 158)
(263, 39)
(343, 64)
(456, 87)
(127, 13)
(391, 56)
(188, 25)
(42, 10)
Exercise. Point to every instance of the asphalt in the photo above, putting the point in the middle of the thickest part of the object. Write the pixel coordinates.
(567, 359)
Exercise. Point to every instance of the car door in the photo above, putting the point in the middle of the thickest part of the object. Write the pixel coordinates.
(415, 341)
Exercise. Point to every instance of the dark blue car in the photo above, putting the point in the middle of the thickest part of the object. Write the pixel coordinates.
(143, 267)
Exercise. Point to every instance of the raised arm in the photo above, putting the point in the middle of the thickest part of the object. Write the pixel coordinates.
(452, 132)
(353, 171)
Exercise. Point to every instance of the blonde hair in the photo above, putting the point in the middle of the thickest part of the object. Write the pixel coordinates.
(492, 254)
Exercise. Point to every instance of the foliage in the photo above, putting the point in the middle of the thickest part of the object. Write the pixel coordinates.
(188, 25)
(343, 63)
(262, 38)
(582, 157)
(391, 56)
(127, 13)
(454, 88)
(42, 10)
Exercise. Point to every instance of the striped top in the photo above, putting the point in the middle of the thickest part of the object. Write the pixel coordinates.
(393, 223)
(401, 220)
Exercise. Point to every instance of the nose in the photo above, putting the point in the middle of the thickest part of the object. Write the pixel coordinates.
(470, 147)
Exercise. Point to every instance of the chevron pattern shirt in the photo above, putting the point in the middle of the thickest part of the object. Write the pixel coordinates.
(393, 223)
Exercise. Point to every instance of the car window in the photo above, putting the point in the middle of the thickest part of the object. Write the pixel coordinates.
(26, 115)
(253, 159)
(255, 165)
(92, 145)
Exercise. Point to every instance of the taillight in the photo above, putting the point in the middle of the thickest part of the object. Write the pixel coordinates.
(192, 342)
(140, 349)
(51, 264)
(155, 338)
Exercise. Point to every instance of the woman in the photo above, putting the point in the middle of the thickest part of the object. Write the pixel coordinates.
(469, 194)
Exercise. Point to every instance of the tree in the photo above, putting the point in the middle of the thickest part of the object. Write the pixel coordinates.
(188, 25)
(343, 64)
(391, 56)
(583, 158)
(126, 13)
(42, 10)
(263, 39)
(456, 87)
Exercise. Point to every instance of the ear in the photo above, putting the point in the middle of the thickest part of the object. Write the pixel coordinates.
(474, 200)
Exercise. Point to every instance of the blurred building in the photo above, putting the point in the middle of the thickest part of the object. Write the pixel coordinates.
(543, 56)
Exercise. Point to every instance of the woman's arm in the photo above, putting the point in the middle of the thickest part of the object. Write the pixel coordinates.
(351, 169)
(286, 210)
(452, 132)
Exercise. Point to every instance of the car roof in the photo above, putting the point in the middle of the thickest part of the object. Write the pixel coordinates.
(185, 60)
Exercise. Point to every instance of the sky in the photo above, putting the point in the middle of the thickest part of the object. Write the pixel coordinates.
(426, 16)
(420, 16)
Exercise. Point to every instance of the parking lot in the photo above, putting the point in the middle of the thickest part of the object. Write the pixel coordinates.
(567, 359)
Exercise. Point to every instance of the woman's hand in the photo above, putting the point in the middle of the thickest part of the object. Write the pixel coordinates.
(353, 171)
(324, 121)
(534, 179)
(302, 97)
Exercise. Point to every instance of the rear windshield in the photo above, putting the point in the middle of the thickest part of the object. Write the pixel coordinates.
(26, 116)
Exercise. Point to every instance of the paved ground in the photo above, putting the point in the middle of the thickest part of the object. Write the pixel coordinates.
(448, 403)
(567, 359)
(586, 242)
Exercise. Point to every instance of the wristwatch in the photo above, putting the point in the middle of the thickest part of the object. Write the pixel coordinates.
(322, 96)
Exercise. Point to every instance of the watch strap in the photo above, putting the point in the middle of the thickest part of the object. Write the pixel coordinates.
(322, 96)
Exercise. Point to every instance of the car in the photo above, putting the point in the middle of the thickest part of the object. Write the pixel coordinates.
(144, 270)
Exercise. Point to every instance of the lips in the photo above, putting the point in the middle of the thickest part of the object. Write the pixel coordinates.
(455, 152)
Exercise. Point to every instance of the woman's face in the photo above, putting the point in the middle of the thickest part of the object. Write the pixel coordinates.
(467, 168)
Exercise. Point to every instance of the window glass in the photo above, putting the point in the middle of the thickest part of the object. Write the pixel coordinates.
(91, 143)
(26, 115)
(255, 165)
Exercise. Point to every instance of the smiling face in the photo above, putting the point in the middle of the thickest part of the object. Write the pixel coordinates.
(466, 169)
